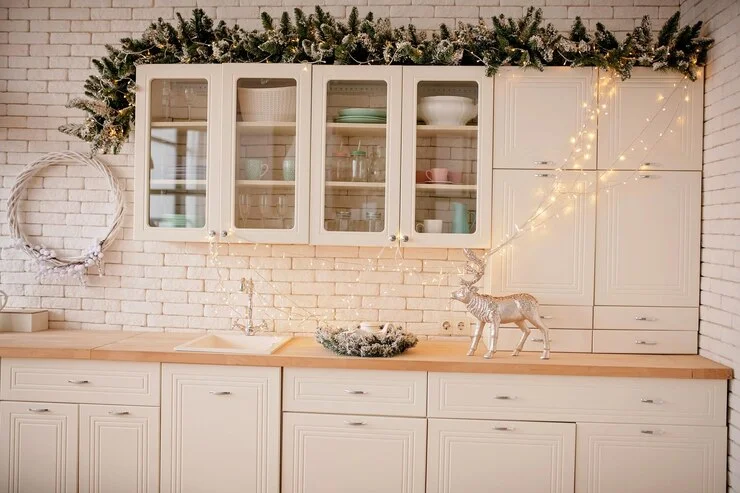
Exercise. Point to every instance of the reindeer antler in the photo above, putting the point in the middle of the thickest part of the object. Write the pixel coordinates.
(475, 266)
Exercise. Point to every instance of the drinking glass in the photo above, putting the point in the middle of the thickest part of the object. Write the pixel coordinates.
(243, 208)
(281, 208)
(264, 208)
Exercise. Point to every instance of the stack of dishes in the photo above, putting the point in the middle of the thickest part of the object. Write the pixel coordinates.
(361, 115)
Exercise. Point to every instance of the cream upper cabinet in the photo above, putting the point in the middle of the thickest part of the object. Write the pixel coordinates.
(325, 453)
(647, 247)
(446, 164)
(266, 152)
(220, 429)
(178, 152)
(555, 262)
(38, 447)
(614, 458)
(355, 155)
(119, 449)
(500, 456)
(537, 114)
(653, 119)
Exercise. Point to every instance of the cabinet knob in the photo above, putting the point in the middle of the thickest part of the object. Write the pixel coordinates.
(219, 392)
(355, 423)
(118, 413)
(224, 234)
(645, 343)
(38, 409)
(392, 238)
(504, 428)
(355, 392)
(78, 382)
(211, 234)
(404, 238)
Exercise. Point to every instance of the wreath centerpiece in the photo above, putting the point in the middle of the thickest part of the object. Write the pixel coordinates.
(356, 341)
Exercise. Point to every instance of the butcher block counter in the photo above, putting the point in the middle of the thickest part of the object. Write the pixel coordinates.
(304, 352)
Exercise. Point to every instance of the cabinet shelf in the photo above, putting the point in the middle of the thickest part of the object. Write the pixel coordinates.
(355, 184)
(455, 187)
(161, 183)
(265, 183)
(432, 130)
(357, 129)
(180, 124)
(266, 128)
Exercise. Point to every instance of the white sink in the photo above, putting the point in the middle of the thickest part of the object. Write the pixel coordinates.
(234, 344)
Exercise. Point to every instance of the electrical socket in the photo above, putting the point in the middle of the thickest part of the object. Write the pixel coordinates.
(456, 327)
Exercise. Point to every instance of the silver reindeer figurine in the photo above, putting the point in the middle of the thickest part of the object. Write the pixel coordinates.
(518, 308)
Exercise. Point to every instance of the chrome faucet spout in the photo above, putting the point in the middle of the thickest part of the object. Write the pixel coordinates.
(249, 327)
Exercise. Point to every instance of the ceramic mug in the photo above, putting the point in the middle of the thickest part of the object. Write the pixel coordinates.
(421, 176)
(455, 176)
(430, 226)
(256, 168)
(437, 174)
(289, 169)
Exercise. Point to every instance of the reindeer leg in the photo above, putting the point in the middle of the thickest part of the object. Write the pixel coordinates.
(492, 338)
(525, 334)
(476, 337)
(537, 322)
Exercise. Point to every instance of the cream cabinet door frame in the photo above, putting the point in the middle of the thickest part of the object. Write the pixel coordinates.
(412, 76)
(322, 75)
(145, 74)
(301, 73)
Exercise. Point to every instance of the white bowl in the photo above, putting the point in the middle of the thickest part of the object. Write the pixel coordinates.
(446, 110)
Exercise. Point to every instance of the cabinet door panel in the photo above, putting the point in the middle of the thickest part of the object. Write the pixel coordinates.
(363, 454)
(500, 456)
(615, 458)
(673, 135)
(221, 429)
(119, 449)
(555, 263)
(38, 447)
(647, 249)
(537, 113)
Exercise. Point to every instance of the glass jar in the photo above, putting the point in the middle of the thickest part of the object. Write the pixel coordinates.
(344, 217)
(376, 171)
(340, 169)
(374, 221)
(359, 166)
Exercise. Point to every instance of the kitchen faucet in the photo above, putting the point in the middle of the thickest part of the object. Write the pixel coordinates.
(247, 286)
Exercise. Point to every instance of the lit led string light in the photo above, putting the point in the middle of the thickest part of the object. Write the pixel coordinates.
(559, 199)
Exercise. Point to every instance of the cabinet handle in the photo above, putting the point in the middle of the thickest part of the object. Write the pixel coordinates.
(38, 409)
(119, 413)
(504, 428)
(539, 339)
(650, 432)
(546, 317)
(504, 397)
(542, 175)
(648, 163)
(355, 423)
(404, 238)
(542, 163)
(643, 177)
(392, 238)
(651, 401)
(646, 343)
(78, 382)
(219, 392)
(642, 318)
(355, 392)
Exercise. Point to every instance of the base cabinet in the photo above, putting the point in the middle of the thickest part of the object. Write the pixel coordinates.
(325, 453)
(119, 449)
(221, 429)
(500, 456)
(614, 458)
(38, 447)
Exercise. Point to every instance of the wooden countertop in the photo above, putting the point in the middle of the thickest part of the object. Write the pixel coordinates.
(441, 356)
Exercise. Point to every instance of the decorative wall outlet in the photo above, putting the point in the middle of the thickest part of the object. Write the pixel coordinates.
(455, 327)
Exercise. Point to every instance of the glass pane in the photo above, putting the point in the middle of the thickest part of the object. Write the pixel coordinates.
(265, 153)
(178, 153)
(355, 156)
(446, 157)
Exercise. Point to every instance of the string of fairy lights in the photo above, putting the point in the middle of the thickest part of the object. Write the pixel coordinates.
(558, 199)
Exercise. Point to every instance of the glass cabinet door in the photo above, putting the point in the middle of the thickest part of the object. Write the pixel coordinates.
(446, 194)
(266, 135)
(356, 148)
(175, 118)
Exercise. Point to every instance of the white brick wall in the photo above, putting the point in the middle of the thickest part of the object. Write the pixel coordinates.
(719, 327)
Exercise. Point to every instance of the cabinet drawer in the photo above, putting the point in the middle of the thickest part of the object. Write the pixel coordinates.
(80, 381)
(645, 341)
(564, 317)
(395, 393)
(561, 340)
(565, 398)
(646, 318)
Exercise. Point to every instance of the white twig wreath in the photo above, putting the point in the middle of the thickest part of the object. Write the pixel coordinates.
(49, 264)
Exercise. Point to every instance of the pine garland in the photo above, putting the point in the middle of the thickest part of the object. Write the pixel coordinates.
(320, 38)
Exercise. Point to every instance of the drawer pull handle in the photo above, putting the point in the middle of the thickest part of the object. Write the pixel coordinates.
(119, 413)
(651, 401)
(38, 409)
(503, 428)
(645, 343)
(219, 392)
(542, 163)
(645, 177)
(355, 392)
(504, 397)
(355, 423)
(546, 317)
(648, 163)
(542, 175)
(78, 382)
(650, 432)
(642, 318)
